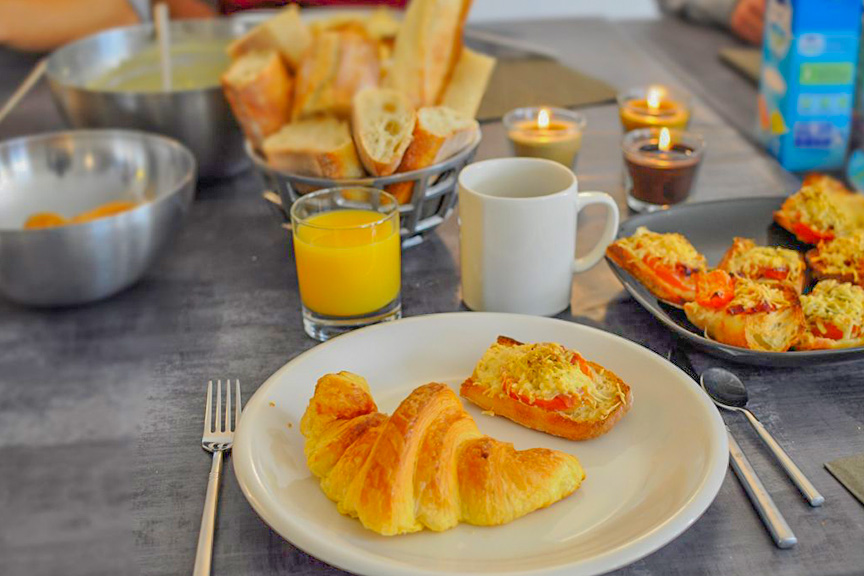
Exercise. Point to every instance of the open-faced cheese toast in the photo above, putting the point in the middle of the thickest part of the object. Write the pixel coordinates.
(666, 264)
(547, 387)
(840, 259)
(741, 312)
(822, 209)
(834, 313)
(764, 263)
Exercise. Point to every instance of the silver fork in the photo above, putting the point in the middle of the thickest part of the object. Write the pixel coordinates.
(218, 439)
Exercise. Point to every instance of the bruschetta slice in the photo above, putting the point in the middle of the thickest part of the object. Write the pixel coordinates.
(741, 312)
(822, 209)
(840, 259)
(764, 263)
(666, 264)
(834, 314)
(549, 388)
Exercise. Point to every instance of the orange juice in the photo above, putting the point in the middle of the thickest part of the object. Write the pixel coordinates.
(347, 265)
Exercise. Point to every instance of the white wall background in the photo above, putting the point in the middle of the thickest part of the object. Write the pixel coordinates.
(491, 10)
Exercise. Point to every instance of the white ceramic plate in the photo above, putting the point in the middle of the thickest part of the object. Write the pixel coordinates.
(647, 480)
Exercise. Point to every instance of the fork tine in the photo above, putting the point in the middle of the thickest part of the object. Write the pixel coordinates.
(228, 427)
(208, 420)
(238, 404)
(218, 426)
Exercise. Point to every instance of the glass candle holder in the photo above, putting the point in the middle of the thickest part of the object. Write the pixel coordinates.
(348, 255)
(662, 165)
(542, 132)
(654, 106)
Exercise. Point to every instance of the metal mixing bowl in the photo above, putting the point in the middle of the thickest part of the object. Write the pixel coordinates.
(201, 119)
(73, 172)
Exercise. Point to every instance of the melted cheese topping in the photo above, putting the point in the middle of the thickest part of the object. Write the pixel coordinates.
(838, 303)
(754, 261)
(542, 371)
(843, 255)
(670, 249)
(821, 208)
(750, 294)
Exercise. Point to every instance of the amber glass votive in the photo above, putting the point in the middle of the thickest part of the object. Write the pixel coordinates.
(661, 166)
(654, 106)
(543, 132)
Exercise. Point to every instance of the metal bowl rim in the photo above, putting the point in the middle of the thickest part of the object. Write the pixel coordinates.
(229, 21)
(374, 181)
(185, 179)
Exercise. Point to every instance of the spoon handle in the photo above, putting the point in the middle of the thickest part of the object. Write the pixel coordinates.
(762, 501)
(804, 485)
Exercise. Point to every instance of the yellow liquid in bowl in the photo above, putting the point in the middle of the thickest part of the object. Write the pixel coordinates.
(194, 66)
(347, 271)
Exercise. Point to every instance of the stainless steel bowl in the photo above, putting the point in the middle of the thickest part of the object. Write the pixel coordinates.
(200, 119)
(70, 173)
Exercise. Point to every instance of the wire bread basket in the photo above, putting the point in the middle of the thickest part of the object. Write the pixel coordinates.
(433, 195)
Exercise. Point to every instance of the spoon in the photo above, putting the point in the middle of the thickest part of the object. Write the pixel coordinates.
(728, 392)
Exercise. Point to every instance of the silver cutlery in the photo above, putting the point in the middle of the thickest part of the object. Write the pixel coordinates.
(771, 516)
(727, 391)
(217, 439)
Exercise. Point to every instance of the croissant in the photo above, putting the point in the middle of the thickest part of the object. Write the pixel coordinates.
(427, 465)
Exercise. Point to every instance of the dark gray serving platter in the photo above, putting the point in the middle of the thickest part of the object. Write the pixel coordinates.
(710, 226)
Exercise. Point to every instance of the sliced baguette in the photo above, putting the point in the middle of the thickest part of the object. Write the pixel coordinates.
(440, 132)
(583, 423)
(427, 47)
(383, 122)
(259, 90)
(286, 33)
(337, 66)
(471, 75)
(321, 147)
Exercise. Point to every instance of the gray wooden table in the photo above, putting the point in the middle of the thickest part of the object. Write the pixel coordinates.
(100, 406)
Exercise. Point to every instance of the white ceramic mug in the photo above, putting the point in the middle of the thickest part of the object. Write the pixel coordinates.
(518, 234)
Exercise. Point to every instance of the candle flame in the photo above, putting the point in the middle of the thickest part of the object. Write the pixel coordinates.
(665, 140)
(543, 119)
(653, 97)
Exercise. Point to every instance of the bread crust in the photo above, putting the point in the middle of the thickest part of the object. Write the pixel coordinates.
(427, 149)
(741, 245)
(337, 163)
(286, 33)
(337, 65)
(363, 131)
(749, 330)
(261, 105)
(809, 341)
(555, 423)
(648, 278)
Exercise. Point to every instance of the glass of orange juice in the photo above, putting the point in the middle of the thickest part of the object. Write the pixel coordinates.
(348, 254)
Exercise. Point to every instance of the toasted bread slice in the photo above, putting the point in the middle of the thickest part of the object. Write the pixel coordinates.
(259, 90)
(440, 132)
(383, 124)
(471, 76)
(564, 395)
(337, 65)
(834, 314)
(822, 209)
(764, 263)
(753, 315)
(321, 147)
(666, 264)
(285, 33)
(840, 259)
(427, 48)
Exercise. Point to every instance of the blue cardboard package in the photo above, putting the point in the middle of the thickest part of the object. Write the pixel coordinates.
(807, 85)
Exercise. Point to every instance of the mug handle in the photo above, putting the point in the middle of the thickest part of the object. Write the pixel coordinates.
(609, 232)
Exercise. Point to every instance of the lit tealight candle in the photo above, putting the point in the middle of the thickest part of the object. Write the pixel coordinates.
(661, 165)
(653, 107)
(551, 133)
